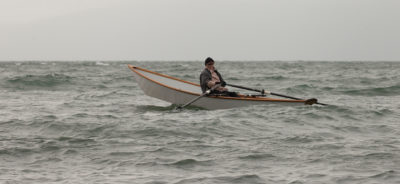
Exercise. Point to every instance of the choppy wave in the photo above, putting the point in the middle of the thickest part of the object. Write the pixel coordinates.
(190, 163)
(375, 91)
(257, 157)
(39, 81)
(225, 179)
(171, 108)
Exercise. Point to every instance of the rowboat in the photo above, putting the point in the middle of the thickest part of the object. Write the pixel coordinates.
(178, 91)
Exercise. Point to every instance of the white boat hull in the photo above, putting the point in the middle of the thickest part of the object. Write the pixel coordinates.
(180, 92)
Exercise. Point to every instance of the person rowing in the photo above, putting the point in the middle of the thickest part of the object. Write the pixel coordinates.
(210, 77)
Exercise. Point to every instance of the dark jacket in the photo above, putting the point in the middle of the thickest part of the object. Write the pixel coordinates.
(205, 77)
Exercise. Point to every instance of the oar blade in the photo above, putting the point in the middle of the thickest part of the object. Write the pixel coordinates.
(311, 101)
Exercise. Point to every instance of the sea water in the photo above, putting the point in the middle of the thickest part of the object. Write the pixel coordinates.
(89, 122)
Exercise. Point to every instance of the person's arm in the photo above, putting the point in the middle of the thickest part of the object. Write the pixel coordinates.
(204, 79)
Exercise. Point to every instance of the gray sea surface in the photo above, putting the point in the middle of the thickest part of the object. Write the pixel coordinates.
(89, 122)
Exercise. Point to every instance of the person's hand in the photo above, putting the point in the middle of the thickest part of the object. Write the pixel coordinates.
(223, 83)
(211, 84)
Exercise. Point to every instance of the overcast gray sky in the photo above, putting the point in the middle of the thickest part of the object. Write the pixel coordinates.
(194, 29)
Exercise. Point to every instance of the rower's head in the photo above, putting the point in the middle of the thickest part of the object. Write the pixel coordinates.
(209, 62)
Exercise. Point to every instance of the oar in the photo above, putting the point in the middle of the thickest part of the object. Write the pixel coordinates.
(308, 101)
(197, 98)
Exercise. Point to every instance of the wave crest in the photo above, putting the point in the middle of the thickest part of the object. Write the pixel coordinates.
(39, 81)
(378, 91)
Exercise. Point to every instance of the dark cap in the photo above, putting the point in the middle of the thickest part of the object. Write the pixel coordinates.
(208, 60)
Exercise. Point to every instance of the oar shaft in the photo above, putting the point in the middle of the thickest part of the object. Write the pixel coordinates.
(285, 96)
(262, 91)
(193, 100)
(294, 98)
(267, 92)
(322, 103)
(242, 87)
(197, 98)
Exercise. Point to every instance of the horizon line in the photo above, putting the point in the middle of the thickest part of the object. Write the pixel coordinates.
(129, 60)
